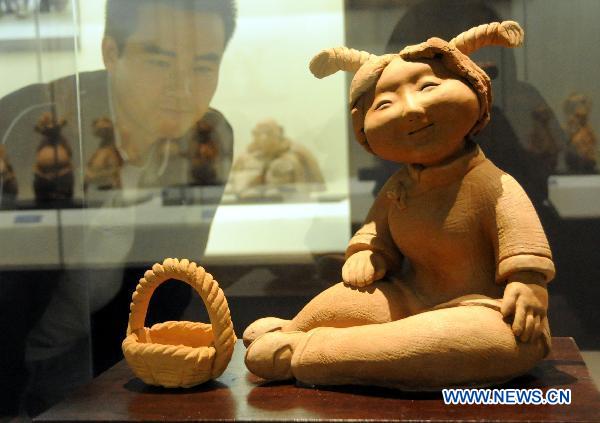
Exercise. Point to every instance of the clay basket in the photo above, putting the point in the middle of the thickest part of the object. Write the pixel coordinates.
(179, 354)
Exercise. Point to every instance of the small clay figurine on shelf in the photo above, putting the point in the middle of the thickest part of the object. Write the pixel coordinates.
(543, 146)
(8, 180)
(204, 153)
(445, 283)
(273, 165)
(104, 167)
(581, 150)
(53, 178)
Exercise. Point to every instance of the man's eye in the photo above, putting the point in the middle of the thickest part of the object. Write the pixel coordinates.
(203, 69)
(383, 105)
(159, 63)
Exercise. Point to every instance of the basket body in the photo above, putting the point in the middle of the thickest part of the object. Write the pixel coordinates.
(171, 365)
(179, 354)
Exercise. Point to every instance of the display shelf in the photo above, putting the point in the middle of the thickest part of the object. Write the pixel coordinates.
(30, 239)
(575, 196)
(149, 231)
(240, 396)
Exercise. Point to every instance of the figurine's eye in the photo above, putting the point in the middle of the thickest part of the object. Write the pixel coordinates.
(428, 86)
(383, 104)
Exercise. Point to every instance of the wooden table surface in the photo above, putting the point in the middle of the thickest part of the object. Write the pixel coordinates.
(117, 395)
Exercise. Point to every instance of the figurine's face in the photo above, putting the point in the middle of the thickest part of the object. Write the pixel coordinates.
(419, 113)
(167, 72)
(267, 136)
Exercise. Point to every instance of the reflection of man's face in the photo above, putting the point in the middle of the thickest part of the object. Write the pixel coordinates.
(167, 73)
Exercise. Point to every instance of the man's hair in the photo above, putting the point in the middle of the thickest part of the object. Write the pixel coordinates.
(121, 15)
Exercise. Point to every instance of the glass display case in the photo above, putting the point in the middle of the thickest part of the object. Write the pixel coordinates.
(208, 138)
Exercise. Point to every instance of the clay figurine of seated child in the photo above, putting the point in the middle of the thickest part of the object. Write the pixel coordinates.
(445, 283)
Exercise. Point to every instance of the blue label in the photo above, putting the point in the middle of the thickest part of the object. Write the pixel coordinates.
(28, 218)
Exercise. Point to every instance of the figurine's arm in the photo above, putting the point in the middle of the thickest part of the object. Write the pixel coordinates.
(371, 252)
(523, 260)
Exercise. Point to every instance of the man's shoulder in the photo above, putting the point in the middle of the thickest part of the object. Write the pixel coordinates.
(46, 93)
(88, 78)
(215, 117)
(91, 84)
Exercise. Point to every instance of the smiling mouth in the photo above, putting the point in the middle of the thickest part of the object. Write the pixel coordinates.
(420, 129)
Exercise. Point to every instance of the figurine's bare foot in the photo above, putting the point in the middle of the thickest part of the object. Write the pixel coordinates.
(262, 326)
(270, 355)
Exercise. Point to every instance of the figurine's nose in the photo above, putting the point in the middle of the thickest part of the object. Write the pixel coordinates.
(412, 110)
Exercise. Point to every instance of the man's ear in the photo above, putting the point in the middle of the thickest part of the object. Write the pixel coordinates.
(110, 53)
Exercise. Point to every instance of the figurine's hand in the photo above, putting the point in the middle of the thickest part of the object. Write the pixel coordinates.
(363, 268)
(528, 302)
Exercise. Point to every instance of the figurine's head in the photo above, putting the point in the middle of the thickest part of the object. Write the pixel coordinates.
(103, 128)
(163, 59)
(268, 137)
(420, 105)
(49, 126)
(578, 106)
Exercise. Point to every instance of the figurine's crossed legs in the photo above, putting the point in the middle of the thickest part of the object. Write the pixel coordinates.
(381, 335)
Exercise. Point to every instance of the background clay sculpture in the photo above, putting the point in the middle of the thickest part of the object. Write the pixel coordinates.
(8, 180)
(581, 149)
(273, 164)
(53, 179)
(543, 146)
(104, 167)
(445, 283)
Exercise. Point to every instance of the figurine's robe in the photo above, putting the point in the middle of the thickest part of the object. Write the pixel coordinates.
(463, 228)
(451, 236)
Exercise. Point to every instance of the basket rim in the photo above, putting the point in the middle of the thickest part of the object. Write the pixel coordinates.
(133, 340)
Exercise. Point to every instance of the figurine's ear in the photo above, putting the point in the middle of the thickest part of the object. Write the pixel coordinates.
(358, 124)
(110, 53)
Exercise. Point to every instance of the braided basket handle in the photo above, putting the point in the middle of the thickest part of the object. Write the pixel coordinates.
(208, 289)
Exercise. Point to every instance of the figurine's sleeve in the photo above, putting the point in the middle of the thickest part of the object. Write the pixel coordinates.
(375, 233)
(519, 240)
